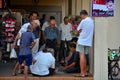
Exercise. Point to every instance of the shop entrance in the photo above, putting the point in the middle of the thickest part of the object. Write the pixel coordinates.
(56, 8)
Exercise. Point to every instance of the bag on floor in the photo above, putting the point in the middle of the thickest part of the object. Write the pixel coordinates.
(13, 53)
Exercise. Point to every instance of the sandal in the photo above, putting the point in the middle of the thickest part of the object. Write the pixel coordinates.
(20, 72)
(82, 75)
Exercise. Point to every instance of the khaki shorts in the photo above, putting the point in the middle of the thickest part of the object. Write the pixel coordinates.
(82, 49)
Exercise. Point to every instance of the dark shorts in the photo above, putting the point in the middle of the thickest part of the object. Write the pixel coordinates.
(26, 58)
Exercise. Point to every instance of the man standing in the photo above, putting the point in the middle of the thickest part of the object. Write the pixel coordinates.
(35, 23)
(85, 30)
(51, 34)
(27, 42)
(46, 24)
(65, 30)
(43, 20)
(37, 31)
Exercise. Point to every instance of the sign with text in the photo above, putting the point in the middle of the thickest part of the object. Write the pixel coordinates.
(102, 8)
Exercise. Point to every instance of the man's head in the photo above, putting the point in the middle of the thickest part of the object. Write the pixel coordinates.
(34, 15)
(52, 18)
(72, 47)
(52, 23)
(30, 28)
(83, 14)
(66, 20)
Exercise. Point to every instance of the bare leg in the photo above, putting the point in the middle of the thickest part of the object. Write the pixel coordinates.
(19, 69)
(83, 65)
(15, 68)
(25, 72)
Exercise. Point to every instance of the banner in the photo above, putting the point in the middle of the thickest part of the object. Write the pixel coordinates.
(102, 8)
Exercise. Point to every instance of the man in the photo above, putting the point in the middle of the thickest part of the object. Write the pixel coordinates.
(46, 24)
(43, 20)
(35, 23)
(65, 31)
(51, 34)
(72, 60)
(37, 30)
(27, 42)
(85, 30)
(43, 63)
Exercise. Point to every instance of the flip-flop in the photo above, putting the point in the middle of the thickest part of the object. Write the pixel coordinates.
(82, 75)
(20, 72)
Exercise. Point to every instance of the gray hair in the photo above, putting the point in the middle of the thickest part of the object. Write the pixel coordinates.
(30, 27)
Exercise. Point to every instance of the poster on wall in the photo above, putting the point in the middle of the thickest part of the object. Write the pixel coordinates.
(102, 8)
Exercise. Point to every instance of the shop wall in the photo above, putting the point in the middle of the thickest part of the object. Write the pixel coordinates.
(114, 28)
(41, 2)
(106, 36)
(44, 3)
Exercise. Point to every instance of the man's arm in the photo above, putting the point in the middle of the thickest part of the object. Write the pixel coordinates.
(69, 66)
(78, 31)
(33, 44)
(43, 35)
(69, 57)
(16, 39)
(34, 61)
(39, 35)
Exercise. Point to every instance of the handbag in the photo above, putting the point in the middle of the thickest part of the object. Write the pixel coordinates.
(13, 53)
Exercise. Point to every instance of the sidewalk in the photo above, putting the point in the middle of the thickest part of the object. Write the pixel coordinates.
(6, 68)
(6, 71)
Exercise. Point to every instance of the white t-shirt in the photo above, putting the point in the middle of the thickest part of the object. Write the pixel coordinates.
(43, 63)
(46, 24)
(86, 35)
(66, 31)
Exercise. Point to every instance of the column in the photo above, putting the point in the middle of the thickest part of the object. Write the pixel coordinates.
(64, 8)
(74, 7)
(78, 7)
(100, 49)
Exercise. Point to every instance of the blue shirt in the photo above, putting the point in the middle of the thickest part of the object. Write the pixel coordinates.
(26, 41)
(51, 33)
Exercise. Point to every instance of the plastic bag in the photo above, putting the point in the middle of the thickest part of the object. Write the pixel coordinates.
(8, 47)
(13, 53)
